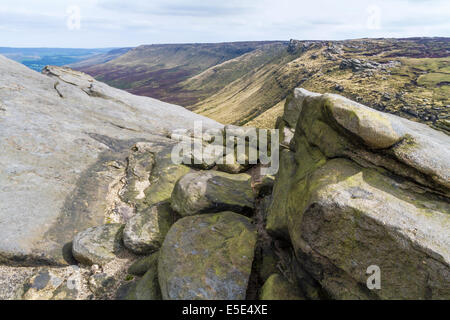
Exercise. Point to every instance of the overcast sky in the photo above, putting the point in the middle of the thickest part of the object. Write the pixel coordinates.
(120, 23)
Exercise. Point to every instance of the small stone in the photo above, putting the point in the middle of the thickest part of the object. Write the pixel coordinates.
(95, 268)
(98, 245)
(145, 232)
(232, 168)
(339, 88)
(101, 283)
(212, 191)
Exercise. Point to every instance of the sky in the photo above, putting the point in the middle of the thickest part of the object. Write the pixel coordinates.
(128, 23)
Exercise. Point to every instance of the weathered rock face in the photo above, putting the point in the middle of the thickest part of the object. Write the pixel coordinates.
(212, 191)
(207, 257)
(141, 266)
(65, 138)
(360, 188)
(147, 288)
(163, 177)
(278, 288)
(145, 232)
(293, 106)
(98, 245)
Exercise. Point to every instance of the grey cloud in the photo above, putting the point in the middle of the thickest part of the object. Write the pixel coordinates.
(418, 22)
(35, 21)
(201, 10)
(178, 8)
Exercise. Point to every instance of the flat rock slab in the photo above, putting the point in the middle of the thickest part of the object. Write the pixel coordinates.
(57, 133)
(207, 257)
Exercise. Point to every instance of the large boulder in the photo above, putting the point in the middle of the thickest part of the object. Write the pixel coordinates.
(98, 245)
(361, 191)
(212, 191)
(64, 140)
(207, 257)
(145, 232)
(293, 106)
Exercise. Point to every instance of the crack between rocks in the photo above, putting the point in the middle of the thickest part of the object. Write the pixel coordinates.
(55, 86)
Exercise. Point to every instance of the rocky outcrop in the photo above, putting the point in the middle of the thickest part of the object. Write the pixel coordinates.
(293, 105)
(107, 180)
(358, 188)
(363, 65)
(212, 191)
(358, 210)
(65, 139)
(207, 257)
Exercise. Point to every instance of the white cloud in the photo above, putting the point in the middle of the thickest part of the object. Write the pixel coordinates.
(106, 23)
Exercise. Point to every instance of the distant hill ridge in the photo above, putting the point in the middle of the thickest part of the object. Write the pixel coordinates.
(38, 58)
(247, 83)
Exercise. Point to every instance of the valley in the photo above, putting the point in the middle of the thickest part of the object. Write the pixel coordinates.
(38, 58)
(247, 83)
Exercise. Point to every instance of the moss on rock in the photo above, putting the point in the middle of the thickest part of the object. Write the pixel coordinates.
(142, 265)
(208, 257)
(277, 287)
(147, 288)
(145, 232)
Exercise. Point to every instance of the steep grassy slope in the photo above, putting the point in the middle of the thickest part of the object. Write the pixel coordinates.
(404, 77)
(99, 58)
(246, 83)
(159, 70)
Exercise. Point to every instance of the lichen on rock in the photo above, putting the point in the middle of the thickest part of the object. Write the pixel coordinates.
(278, 288)
(147, 288)
(98, 245)
(208, 257)
(145, 232)
(359, 188)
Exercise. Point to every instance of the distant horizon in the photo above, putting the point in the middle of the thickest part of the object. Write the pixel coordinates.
(219, 42)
